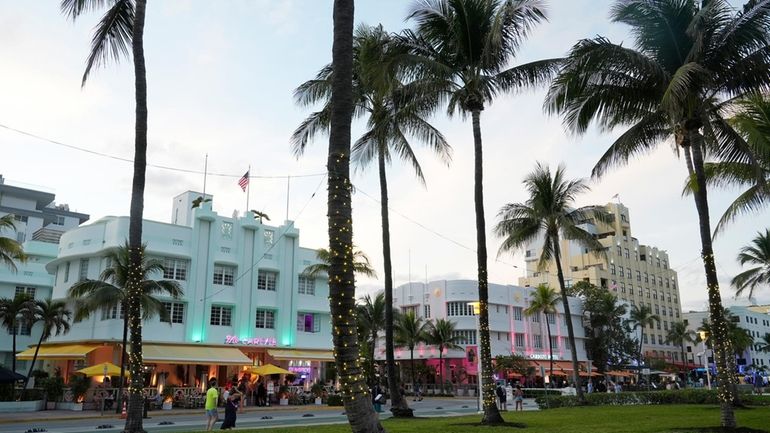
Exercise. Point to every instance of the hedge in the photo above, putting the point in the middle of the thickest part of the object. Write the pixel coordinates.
(685, 396)
(535, 393)
(334, 400)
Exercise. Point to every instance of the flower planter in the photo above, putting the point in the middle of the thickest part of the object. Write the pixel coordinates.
(283, 402)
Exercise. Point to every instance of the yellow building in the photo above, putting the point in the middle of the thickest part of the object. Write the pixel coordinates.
(638, 274)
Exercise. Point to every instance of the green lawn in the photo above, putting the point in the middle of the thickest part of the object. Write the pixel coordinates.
(607, 419)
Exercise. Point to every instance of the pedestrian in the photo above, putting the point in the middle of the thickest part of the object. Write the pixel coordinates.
(418, 391)
(261, 394)
(518, 398)
(377, 397)
(232, 399)
(590, 386)
(618, 387)
(501, 397)
(212, 397)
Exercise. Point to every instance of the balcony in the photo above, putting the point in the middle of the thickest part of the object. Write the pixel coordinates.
(48, 234)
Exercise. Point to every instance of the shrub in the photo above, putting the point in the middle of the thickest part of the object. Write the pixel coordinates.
(53, 388)
(334, 400)
(685, 396)
(534, 393)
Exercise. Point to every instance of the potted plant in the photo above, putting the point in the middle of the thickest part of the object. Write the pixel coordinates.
(79, 386)
(318, 391)
(54, 390)
(283, 395)
(168, 398)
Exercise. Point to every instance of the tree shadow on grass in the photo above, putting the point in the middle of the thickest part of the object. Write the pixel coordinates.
(505, 424)
(718, 430)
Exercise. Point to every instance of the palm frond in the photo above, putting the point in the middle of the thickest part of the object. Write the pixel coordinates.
(112, 36)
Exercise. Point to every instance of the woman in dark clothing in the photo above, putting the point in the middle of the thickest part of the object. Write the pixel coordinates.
(232, 400)
(261, 394)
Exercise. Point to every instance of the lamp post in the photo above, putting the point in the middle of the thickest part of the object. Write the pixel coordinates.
(476, 308)
(703, 338)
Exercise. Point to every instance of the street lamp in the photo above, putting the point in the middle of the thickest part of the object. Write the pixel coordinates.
(476, 308)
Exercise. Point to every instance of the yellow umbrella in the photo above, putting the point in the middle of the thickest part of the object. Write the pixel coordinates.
(268, 369)
(100, 369)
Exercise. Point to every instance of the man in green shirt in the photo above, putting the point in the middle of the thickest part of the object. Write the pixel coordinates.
(212, 398)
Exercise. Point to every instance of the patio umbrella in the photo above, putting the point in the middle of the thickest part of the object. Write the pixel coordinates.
(100, 369)
(8, 376)
(268, 369)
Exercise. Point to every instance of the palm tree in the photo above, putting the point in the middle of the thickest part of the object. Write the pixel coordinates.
(13, 314)
(548, 212)
(370, 314)
(752, 122)
(123, 25)
(758, 253)
(678, 334)
(361, 264)
(10, 249)
(641, 317)
(464, 47)
(410, 330)
(55, 318)
(395, 111)
(441, 333)
(543, 301)
(764, 343)
(110, 291)
(692, 59)
(342, 285)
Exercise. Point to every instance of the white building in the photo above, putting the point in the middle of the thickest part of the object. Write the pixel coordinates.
(511, 331)
(39, 225)
(246, 300)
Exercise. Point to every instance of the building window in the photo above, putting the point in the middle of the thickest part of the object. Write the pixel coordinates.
(652, 277)
(654, 294)
(83, 273)
(22, 327)
(565, 343)
(306, 285)
(638, 276)
(628, 255)
(174, 269)
(614, 285)
(21, 237)
(657, 311)
(21, 218)
(646, 278)
(648, 292)
(538, 341)
(628, 273)
(660, 281)
(459, 309)
(636, 255)
(221, 315)
(175, 312)
(265, 319)
(657, 261)
(665, 264)
(426, 311)
(269, 238)
(622, 272)
(620, 251)
(660, 339)
(266, 280)
(535, 318)
(25, 291)
(551, 317)
(630, 289)
(517, 313)
(665, 324)
(66, 272)
(227, 230)
(612, 269)
(224, 275)
(644, 338)
(465, 336)
(58, 220)
(554, 341)
(308, 322)
(114, 312)
(622, 287)
(518, 340)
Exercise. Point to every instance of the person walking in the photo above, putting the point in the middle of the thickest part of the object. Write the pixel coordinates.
(501, 397)
(377, 397)
(518, 398)
(232, 399)
(212, 398)
(418, 391)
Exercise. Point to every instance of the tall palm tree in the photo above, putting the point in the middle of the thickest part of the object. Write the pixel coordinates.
(548, 212)
(678, 334)
(641, 317)
(465, 47)
(441, 333)
(342, 286)
(13, 314)
(10, 250)
(543, 301)
(110, 291)
(752, 122)
(758, 253)
(361, 264)
(395, 111)
(123, 25)
(370, 314)
(410, 330)
(692, 59)
(55, 320)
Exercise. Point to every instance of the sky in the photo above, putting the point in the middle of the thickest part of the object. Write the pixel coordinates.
(220, 78)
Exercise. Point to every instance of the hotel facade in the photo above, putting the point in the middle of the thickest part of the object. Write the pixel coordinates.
(637, 274)
(246, 300)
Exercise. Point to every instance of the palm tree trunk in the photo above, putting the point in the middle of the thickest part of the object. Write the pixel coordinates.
(342, 288)
(491, 412)
(441, 367)
(721, 341)
(133, 283)
(34, 359)
(398, 405)
(639, 356)
(684, 361)
(568, 316)
(411, 358)
(550, 346)
(119, 399)
(14, 330)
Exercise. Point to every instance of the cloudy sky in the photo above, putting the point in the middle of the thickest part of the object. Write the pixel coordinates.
(220, 79)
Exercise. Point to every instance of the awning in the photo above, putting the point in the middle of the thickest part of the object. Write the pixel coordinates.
(194, 355)
(307, 355)
(65, 351)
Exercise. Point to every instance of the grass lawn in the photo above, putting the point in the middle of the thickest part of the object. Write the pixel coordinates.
(607, 419)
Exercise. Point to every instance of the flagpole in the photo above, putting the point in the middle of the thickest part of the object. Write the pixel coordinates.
(248, 188)
(288, 190)
(205, 172)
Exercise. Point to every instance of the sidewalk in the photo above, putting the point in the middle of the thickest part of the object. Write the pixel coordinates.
(67, 415)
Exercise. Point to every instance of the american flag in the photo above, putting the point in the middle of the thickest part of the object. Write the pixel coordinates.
(243, 182)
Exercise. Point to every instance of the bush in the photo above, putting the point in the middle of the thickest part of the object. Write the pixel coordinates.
(534, 393)
(53, 388)
(685, 396)
(334, 400)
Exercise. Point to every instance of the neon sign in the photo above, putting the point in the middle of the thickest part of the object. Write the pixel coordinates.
(255, 341)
